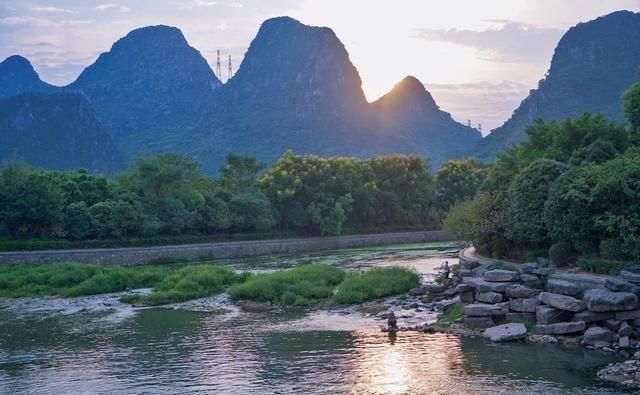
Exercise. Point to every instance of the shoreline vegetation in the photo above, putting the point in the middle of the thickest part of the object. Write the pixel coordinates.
(302, 286)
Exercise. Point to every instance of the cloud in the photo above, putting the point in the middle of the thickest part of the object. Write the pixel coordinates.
(112, 6)
(203, 3)
(506, 41)
(28, 20)
(53, 10)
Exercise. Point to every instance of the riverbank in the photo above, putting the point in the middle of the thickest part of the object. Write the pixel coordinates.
(208, 251)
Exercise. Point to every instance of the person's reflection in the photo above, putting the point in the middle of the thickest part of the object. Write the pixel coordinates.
(392, 337)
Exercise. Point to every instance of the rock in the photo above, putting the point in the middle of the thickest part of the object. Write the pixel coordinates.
(434, 288)
(604, 300)
(479, 322)
(484, 310)
(562, 302)
(449, 292)
(590, 316)
(489, 297)
(462, 288)
(520, 291)
(527, 305)
(630, 277)
(520, 317)
(597, 335)
(624, 342)
(256, 307)
(481, 285)
(619, 285)
(374, 308)
(446, 304)
(468, 264)
(560, 328)
(564, 287)
(466, 273)
(549, 315)
(625, 329)
(612, 324)
(530, 280)
(542, 261)
(506, 332)
(627, 315)
(541, 271)
(528, 268)
(499, 275)
(467, 297)
(417, 291)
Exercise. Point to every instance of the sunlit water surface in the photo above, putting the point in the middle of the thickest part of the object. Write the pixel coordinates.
(56, 347)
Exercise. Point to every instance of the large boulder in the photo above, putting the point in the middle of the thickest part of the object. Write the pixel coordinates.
(560, 328)
(530, 280)
(630, 277)
(597, 335)
(619, 285)
(590, 316)
(479, 322)
(481, 285)
(549, 315)
(506, 332)
(527, 305)
(484, 310)
(417, 291)
(434, 288)
(520, 317)
(564, 287)
(499, 275)
(489, 297)
(600, 300)
(627, 315)
(519, 291)
(562, 302)
(468, 264)
(625, 329)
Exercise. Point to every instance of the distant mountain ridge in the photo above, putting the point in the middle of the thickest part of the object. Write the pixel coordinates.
(18, 76)
(592, 65)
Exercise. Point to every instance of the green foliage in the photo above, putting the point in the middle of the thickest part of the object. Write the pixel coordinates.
(631, 105)
(501, 266)
(453, 314)
(561, 254)
(374, 284)
(295, 286)
(602, 266)
(188, 283)
(459, 180)
(527, 195)
(240, 172)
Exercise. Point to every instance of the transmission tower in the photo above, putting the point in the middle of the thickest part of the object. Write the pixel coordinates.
(480, 127)
(218, 68)
(230, 69)
(468, 123)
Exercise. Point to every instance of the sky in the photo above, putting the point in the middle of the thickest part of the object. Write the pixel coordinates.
(478, 58)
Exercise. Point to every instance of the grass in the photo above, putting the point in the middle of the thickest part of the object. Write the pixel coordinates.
(374, 284)
(603, 266)
(294, 287)
(453, 314)
(189, 283)
(72, 279)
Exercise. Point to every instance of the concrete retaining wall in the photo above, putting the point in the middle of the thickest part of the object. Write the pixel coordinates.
(144, 255)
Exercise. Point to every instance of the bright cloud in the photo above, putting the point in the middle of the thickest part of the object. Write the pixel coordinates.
(112, 6)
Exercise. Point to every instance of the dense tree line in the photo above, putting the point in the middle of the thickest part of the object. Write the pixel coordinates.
(573, 189)
(169, 195)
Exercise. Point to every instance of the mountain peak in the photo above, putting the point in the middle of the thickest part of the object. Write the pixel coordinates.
(18, 76)
(158, 34)
(408, 95)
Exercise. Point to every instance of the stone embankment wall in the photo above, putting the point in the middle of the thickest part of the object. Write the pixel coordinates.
(603, 311)
(144, 255)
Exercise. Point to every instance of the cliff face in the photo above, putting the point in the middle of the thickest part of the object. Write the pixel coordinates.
(18, 76)
(57, 131)
(591, 67)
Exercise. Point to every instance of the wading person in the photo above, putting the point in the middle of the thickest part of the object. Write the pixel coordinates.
(445, 270)
(392, 322)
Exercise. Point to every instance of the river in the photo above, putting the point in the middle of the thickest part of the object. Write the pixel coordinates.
(95, 345)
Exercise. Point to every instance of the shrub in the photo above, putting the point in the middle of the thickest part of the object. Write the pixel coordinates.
(501, 266)
(602, 266)
(296, 286)
(453, 314)
(561, 254)
(375, 283)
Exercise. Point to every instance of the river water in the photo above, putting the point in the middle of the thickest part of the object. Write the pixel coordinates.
(95, 345)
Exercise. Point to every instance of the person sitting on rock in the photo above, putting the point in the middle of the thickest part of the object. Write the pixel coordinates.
(392, 322)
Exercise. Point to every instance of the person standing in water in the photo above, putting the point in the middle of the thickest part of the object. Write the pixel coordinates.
(392, 322)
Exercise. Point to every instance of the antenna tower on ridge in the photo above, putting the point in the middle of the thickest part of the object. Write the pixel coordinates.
(218, 69)
(468, 123)
(230, 69)
(480, 127)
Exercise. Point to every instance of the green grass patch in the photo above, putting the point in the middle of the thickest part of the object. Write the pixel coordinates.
(73, 279)
(189, 283)
(453, 314)
(374, 284)
(294, 287)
